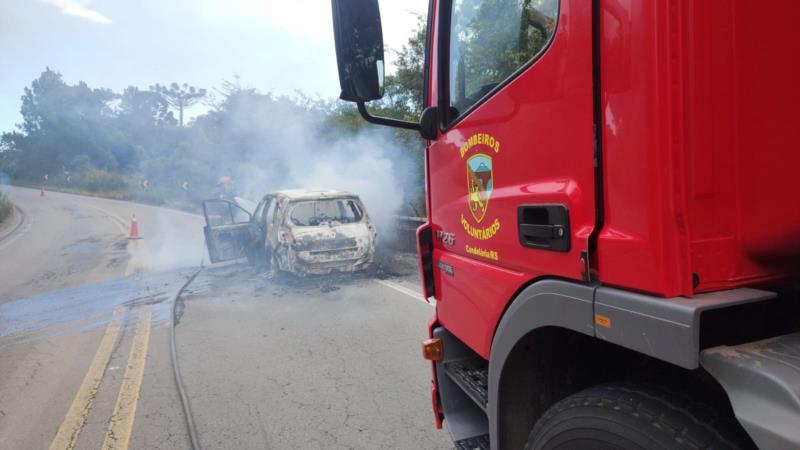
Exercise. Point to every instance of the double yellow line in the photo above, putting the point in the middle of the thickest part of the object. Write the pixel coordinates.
(68, 432)
(120, 425)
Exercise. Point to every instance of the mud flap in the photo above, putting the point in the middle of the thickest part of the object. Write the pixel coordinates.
(762, 380)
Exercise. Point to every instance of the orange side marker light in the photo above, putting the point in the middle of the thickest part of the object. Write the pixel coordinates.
(602, 321)
(432, 350)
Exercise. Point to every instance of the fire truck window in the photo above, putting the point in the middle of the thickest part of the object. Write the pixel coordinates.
(489, 40)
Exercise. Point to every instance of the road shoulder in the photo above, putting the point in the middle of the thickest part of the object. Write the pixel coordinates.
(12, 223)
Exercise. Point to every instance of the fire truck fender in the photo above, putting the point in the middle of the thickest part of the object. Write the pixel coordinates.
(663, 328)
(544, 303)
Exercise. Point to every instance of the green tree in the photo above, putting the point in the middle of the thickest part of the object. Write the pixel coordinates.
(109, 142)
(61, 120)
(179, 97)
(144, 109)
(404, 87)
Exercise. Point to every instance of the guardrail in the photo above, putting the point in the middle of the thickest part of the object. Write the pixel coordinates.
(405, 238)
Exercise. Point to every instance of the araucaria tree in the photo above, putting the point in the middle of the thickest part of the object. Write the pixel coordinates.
(179, 97)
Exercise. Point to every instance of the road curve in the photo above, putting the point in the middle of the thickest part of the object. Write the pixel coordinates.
(69, 240)
(72, 291)
(267, 363)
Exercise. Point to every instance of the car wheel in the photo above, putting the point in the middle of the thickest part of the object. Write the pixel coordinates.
(622, 416)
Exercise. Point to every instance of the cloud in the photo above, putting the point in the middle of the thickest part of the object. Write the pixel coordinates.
(88, 14)
(79, 8)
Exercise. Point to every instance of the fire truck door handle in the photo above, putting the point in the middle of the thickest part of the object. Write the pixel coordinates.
(544, 227)
(541, 231)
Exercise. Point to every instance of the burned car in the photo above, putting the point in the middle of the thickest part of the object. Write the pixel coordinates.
(300, 231)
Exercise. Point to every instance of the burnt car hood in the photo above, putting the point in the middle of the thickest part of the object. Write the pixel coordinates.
(351, 236)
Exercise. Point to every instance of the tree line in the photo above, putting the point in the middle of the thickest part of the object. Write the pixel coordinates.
(136, 144)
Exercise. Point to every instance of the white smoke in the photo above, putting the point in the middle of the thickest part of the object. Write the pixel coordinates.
(369, 163)
(266, 143)
(361, 167)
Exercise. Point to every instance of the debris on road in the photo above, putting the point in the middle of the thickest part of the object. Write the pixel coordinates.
(328, 287)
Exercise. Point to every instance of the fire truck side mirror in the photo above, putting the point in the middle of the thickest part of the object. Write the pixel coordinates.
(429, 122)
(359, 49)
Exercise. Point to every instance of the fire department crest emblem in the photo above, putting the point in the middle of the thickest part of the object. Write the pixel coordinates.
(480, 185)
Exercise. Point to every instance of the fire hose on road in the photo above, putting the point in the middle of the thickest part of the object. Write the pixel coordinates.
(187, 409)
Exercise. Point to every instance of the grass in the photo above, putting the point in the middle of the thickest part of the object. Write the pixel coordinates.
(98, 183)
(6, 208)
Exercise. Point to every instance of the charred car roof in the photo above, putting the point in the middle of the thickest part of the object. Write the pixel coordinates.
(294, 195)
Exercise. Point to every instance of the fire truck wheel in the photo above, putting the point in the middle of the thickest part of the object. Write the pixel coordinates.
(630, 416)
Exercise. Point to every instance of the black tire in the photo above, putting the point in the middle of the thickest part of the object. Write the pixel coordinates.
(628, 416)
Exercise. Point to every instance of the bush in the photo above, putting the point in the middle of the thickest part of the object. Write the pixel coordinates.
(100, 181)
(6, 208)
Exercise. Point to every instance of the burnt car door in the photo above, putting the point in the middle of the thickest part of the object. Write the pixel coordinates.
(227, 230)
(258, 229)
(273, 216)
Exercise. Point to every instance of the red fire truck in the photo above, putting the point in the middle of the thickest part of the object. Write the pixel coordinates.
(613, 236)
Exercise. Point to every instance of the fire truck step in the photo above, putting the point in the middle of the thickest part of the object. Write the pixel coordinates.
(474, 443)
(472, 376)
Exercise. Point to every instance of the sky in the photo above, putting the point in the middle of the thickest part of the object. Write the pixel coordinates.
(272, 45)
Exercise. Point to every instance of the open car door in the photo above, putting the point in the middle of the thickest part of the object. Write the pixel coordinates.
(227, 230)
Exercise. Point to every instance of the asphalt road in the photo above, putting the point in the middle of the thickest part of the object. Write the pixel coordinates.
(70, 240)
(286, 363)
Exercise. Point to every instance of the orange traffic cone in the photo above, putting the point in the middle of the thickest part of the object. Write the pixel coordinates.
(41, 193)
(134, 228)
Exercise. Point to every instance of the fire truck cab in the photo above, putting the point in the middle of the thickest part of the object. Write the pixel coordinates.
(613, 235)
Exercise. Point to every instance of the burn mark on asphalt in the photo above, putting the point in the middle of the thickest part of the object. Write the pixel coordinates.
(147, 300)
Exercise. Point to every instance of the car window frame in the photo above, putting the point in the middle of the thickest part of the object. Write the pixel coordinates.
(233, 205)
(446, 122)
(287, 219)
(259, 211)
(272, 202)
(357, 203)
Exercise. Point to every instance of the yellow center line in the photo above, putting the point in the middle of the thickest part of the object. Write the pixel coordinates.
(116, 220)
(71, 427)
(140, 258)
(121, 424)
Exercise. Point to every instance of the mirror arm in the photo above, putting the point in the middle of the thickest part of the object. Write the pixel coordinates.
(362, 109)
